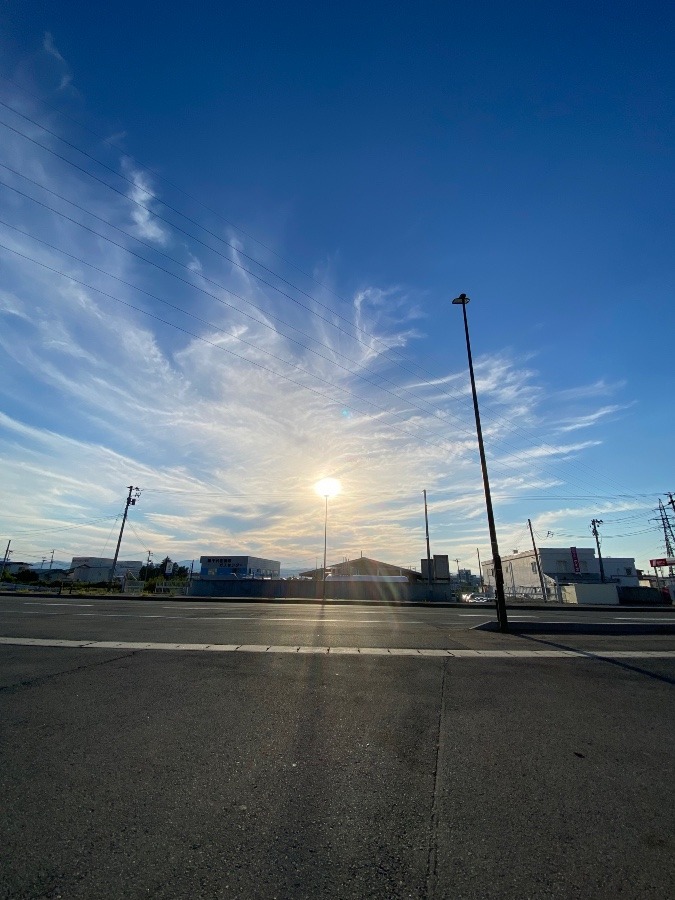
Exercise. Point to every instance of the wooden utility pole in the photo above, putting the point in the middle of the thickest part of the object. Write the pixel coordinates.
(594, 529)
(131, 501)
(4, 562)
(426, 522)
(536, 557)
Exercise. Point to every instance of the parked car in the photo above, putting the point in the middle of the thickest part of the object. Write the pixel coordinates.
(475, 598)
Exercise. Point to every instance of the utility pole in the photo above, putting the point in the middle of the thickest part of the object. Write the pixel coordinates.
(131, 501)
(4, 562)
(480, 570)
(667, 532)
(594, 529)
(536, 558)
(51, 561)
(667, 529)
(426, 521)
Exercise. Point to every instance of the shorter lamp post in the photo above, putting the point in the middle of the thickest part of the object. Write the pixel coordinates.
(462, 301)
(327, 487)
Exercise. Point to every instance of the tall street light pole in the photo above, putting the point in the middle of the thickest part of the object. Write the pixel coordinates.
(325, 546)
(327, 487)
(462, 301)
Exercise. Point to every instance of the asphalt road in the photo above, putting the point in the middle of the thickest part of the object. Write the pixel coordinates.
(305, 772)
(345, 626)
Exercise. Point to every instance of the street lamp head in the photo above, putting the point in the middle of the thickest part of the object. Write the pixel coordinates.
(462, 300)
(328, 487)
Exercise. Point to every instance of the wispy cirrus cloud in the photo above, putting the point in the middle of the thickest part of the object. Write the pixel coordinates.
(599, 388)
(141, 194)
(590, 419)
(226, 421)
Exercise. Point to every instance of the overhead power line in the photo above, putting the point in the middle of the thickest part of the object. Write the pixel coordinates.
(329, 321)
(190, 284)
(215, 328)
(499, 443)
(193, 237)
(173, 185)
(213, 344)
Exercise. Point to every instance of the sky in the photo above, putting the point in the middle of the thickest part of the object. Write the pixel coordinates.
(229, 245)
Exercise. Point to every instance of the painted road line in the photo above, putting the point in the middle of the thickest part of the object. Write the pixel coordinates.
(35, 603)
(258, 619)
(643, 619)
(129, 616)
(187, 607)
(336, 651)
(33, 612)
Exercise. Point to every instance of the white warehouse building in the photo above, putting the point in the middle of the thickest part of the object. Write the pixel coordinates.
(559, 565)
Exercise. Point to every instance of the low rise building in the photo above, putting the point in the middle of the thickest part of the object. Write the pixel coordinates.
(228, 567)
(13, 568)
(559, 566)
(99, 568)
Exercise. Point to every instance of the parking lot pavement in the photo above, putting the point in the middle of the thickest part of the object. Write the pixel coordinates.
(195, 774)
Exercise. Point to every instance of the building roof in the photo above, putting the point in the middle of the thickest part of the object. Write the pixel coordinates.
(364, 565)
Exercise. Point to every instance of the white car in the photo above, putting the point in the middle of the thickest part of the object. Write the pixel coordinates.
(475, 598)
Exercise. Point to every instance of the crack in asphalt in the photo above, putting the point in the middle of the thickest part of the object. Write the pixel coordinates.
(433, 824)
(42, 679)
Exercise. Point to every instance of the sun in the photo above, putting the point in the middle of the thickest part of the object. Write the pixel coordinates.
(328, 487)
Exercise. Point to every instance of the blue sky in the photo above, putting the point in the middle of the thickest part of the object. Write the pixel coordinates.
(289, 197)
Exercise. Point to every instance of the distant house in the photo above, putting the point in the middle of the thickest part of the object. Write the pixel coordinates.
(13, 568)
(99, 568)
(51, 574)
(363, 565)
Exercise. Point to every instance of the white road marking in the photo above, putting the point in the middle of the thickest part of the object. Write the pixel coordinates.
(187, 607)
(342, 651)
(128, 616)
(643, 619)
(33, 612)
(35, 603)
(224, 618)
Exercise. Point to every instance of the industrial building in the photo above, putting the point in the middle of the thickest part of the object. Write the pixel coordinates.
(363, 565)
(228, 567)
(559, 566)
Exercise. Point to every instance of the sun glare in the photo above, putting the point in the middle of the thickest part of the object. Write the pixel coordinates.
(328, 487)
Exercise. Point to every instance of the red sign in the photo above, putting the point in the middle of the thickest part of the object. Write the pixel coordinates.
(659, 563)
(575, 559)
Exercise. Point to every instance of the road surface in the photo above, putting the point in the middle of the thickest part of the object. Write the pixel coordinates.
(342, 752)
